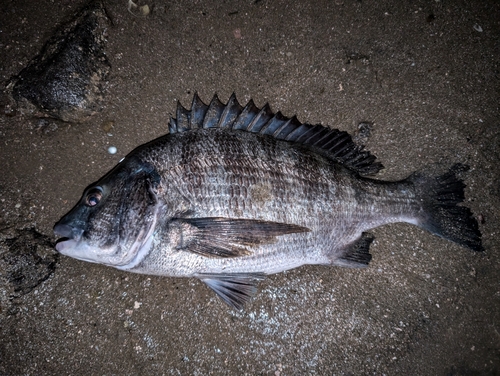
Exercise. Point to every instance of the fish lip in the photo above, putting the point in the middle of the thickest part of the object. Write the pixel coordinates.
(70, 236)
(68, 231)
(63, 244)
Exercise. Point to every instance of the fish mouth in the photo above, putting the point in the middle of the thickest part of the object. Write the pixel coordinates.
(70, 237)
(64, 244)
(73, 248)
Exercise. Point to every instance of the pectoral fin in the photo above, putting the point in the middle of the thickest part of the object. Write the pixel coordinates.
(227, 237)
(234, 289)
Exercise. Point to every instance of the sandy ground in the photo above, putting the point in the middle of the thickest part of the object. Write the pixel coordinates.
(426, 73)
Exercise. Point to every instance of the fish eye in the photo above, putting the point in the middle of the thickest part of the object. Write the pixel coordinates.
(93, 196)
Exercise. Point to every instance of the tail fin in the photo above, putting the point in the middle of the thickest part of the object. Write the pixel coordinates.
(441, 215)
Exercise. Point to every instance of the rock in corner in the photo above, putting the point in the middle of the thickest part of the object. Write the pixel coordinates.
(66, 80)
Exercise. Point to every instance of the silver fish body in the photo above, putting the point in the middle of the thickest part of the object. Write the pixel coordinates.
(260, 179)
(234, 193)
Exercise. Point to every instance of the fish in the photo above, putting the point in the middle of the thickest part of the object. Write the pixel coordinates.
(234, 193)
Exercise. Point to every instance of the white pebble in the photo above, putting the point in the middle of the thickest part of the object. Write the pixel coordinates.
(112, 150)
(478, 28)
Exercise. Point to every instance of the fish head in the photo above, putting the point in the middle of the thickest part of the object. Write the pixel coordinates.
(113, 223)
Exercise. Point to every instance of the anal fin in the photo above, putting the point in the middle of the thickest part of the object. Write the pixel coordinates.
(235, 289)
(357, 254)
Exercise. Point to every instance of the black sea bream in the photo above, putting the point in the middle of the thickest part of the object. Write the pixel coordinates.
(234, 193)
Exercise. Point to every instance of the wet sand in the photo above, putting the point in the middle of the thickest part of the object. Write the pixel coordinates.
(425, 73)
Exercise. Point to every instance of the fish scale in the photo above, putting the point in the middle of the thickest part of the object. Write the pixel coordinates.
(289, 183)
(234, 193)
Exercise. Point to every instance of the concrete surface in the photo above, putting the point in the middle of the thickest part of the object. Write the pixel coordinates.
(426, 73)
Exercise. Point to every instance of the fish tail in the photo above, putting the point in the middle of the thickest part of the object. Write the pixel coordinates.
(441, 214)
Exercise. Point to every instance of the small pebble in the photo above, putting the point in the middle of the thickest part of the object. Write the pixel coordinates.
(108, 125)
(478, 28)
(144, 10)
(112, 150)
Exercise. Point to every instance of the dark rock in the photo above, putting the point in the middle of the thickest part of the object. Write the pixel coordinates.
(66, 80)
(363, 133)
(27, 258)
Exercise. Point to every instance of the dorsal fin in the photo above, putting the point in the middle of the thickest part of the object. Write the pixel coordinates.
(336, 144)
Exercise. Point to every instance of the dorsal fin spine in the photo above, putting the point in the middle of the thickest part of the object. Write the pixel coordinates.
(319, 134)
(255, 126)
(225, 119)
(337, 145)
(267, 128)
(239, 122)
(198, 112)
(333, 140)
(304, 137)
(292, 134)
(325, 136)
(172, 125)
(213, 113)
(183, 116)
(283, 126)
